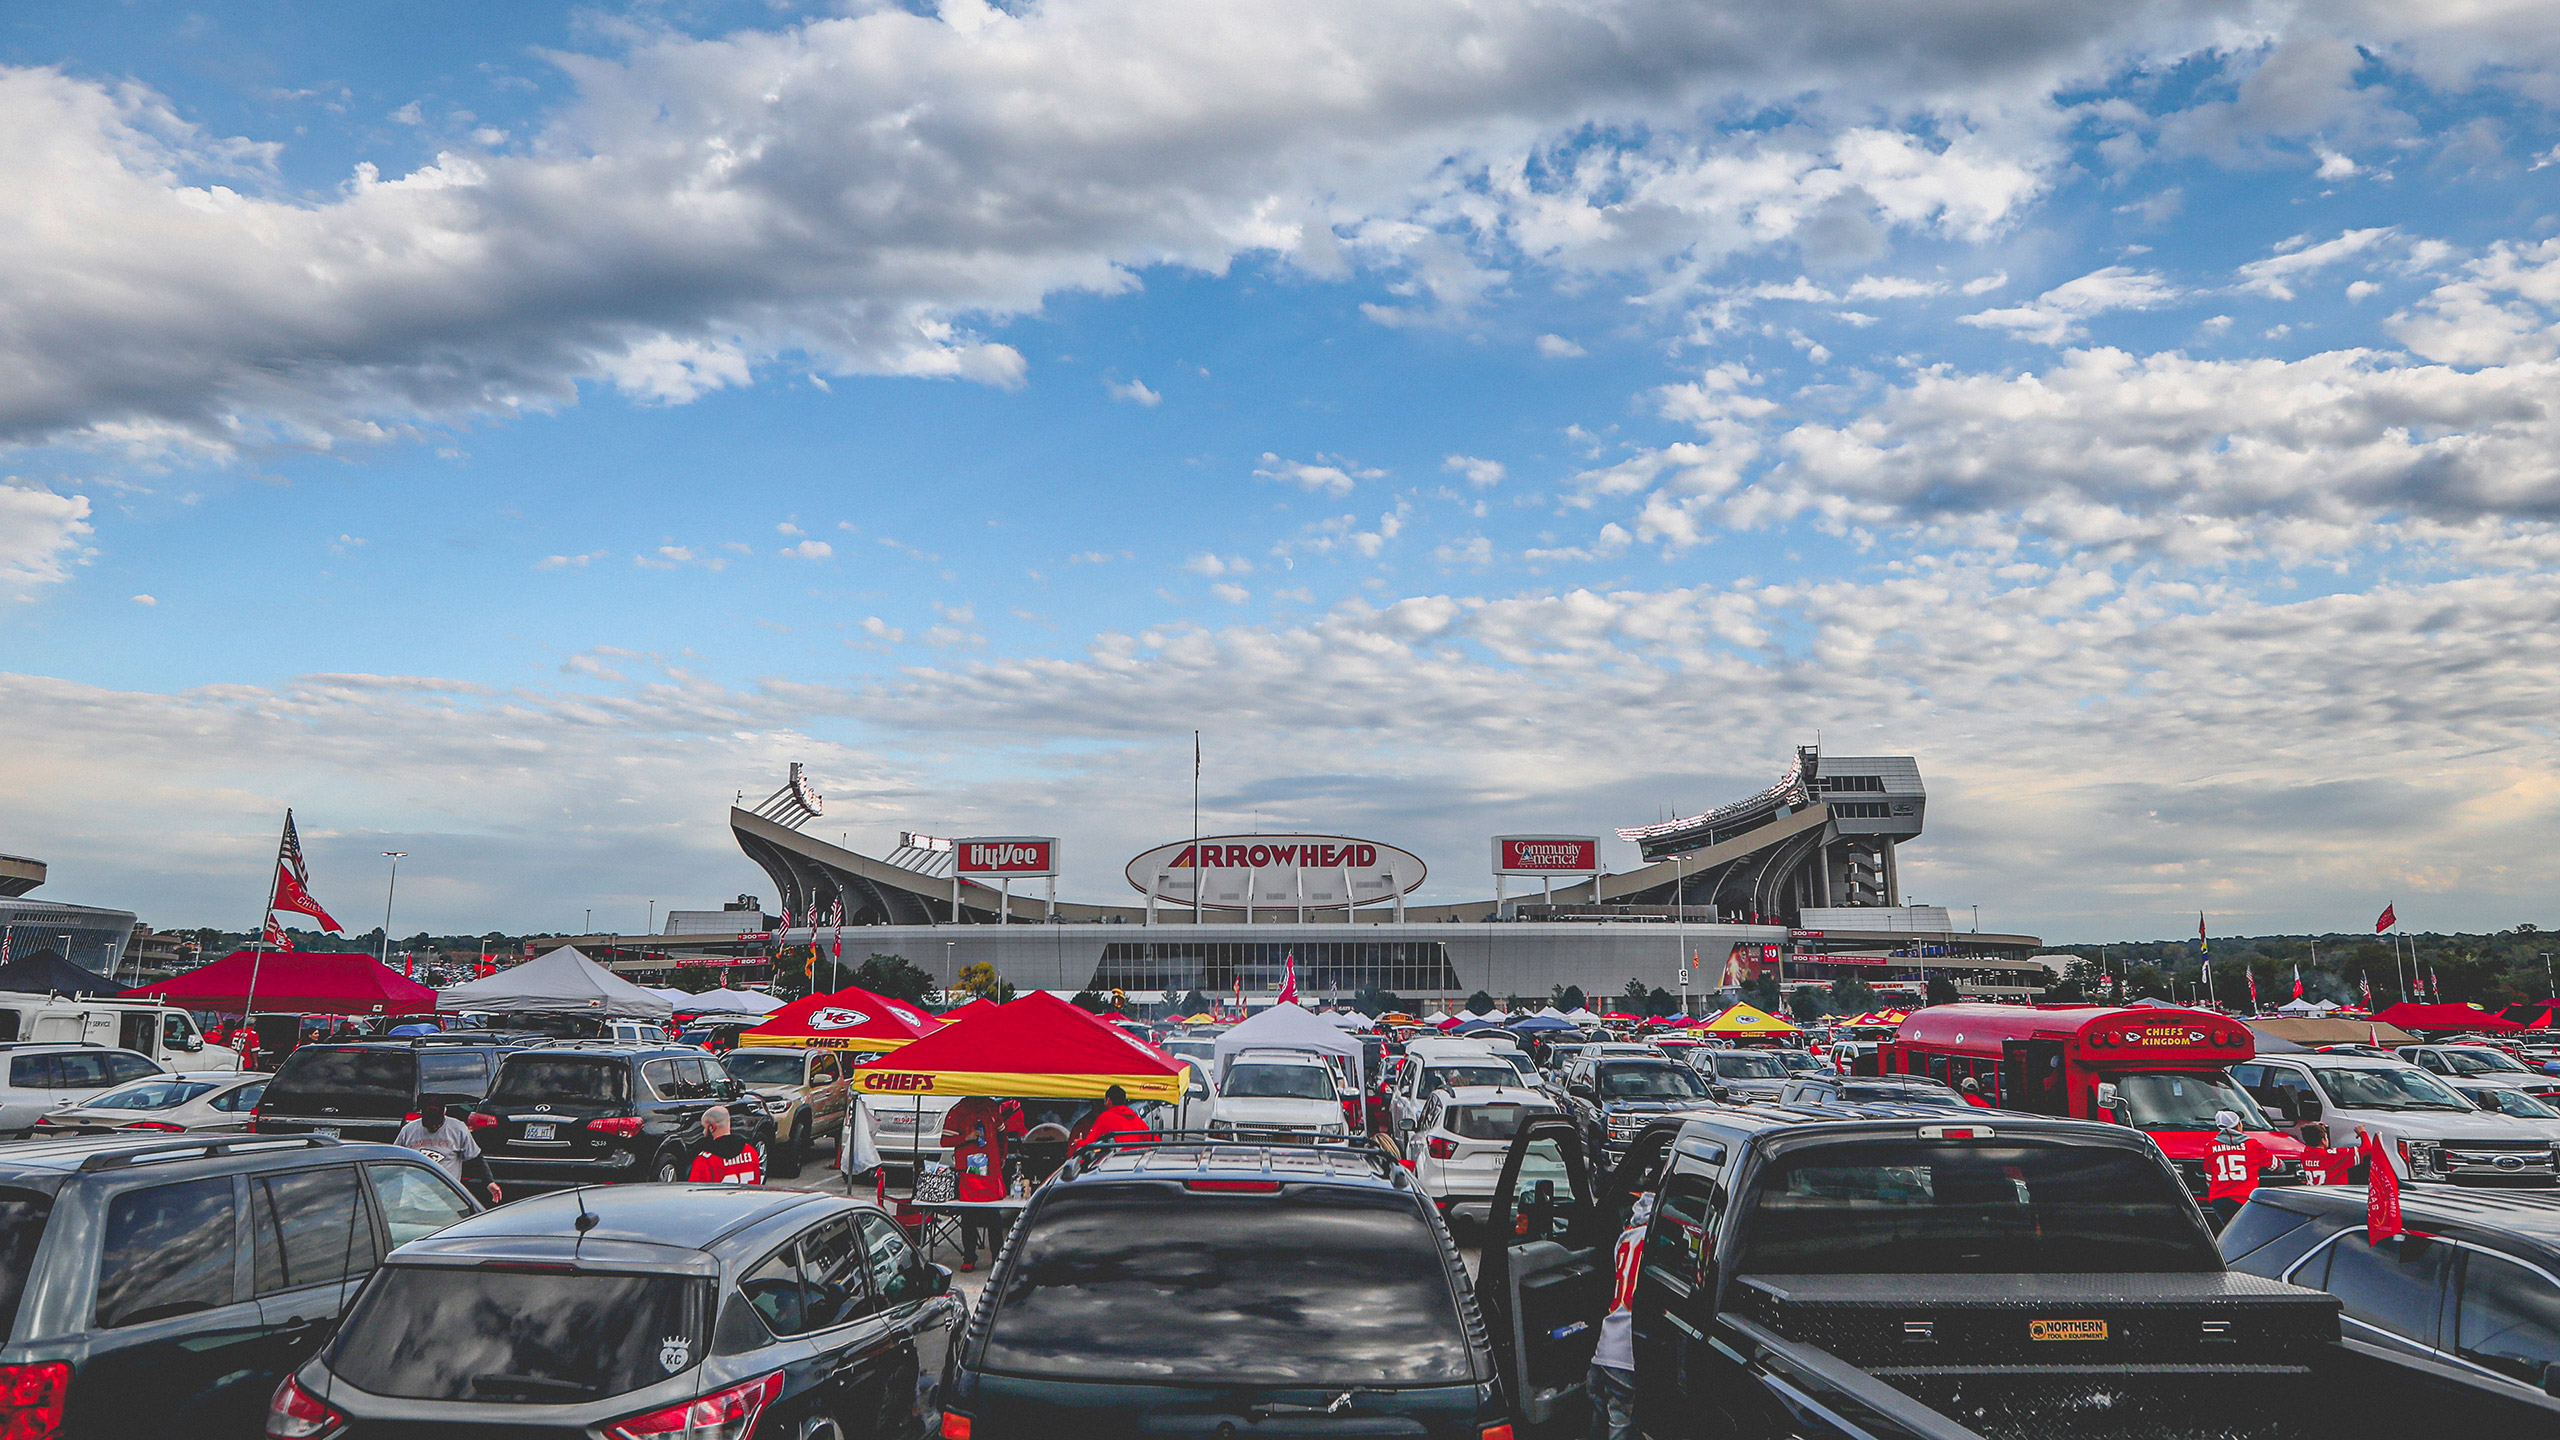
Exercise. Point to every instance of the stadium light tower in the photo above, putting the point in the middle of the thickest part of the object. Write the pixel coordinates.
(394, 856)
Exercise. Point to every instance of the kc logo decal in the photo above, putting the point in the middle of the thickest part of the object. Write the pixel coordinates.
(836, 1017)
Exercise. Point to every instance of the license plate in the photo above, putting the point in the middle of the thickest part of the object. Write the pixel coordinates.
(329, 1130)
(2066, 1329)
(540, 1132)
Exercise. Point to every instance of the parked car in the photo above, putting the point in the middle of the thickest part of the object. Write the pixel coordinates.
(44, 1078)
(597, 1113)
(2509, 1101)
(687, 1310)
(806, 1091)
(202, 1100)
(1279, 1090)
(368, 1089)
(1821, 1089)
(1441, 1065)
(162, 1285)
(1610, 1099)
(2475, 1283)
(636, 1032)
(1227, 1289)
(1799, 1062)
(1745, 1074)
(1457, 1148)
(2481, 1062)
(2429, 1133)
(147, 1027)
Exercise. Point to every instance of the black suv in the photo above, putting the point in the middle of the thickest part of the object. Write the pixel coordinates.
(1176, 1286)
(368, 1089)
(600, 1111)
(695, 1310)
(1611, 1098)
(163, 1286)
(2475, 1284)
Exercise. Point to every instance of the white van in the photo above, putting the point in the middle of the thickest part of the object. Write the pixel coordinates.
(165, 1033)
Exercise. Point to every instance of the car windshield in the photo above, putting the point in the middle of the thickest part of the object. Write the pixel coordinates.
(2184, 1101)
(1314, 1286)
(1921, 1207)
(1449, 1077)
(162, 1094)
(1749, 1065)
(1487, 1122)
(1650, 1082)
(2513, 1102)
(2400, 1088)
(560, 1079)
(1279, 1082)
(1907, 1094)
(344, 1080)
(1528, 1068)
(1798, 1060)
(2484, 1062)
(767, 1068)
(513, 1337)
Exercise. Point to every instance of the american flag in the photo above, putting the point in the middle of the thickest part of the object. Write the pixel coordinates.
(289, 853)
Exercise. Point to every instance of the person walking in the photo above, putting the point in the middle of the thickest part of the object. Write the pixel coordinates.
(1117, 1118)
(1612, 1381)
(447, 1141)
(725, 1159)
(979, 1132)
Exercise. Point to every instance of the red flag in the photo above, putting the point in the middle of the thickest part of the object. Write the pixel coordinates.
(2385, 921)
(275, 935)
(2381, 1193)
(1289, 984)
(2297, 982)
(2253, 988)
(291, 896)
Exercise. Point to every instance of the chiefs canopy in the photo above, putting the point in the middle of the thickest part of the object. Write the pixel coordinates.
(295, 982)
(2410, 1016)
(1746, 1020)
(1035, 1046)
(850, 1019)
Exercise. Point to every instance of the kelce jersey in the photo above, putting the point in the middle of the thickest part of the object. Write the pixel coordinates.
(744, 1168)
(1617, 1348)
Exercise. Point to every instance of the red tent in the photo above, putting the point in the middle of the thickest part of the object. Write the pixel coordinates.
(2415, 1018)
(849, 1019)
(295, 982)
(975, 1008)
(2535, 1014)
(1039, 1045)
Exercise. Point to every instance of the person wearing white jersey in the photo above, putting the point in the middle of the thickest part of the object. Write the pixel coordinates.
(1612, 1381)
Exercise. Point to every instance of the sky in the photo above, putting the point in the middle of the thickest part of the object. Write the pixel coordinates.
(509, 433)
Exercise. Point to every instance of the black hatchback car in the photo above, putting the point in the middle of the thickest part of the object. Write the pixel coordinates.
(368, 1089)
(599, 1112)
(162, 1286)
(693, 1310)
(1219, 1288)
(2475, 1283)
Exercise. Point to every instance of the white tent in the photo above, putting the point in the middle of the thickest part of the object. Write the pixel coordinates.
(563, 982)
(1581, 1017)
(1286, 1027)
(1497, 1015)
(1351, 1020)
(1549, 1012)
(2307, 1007)
(1435, 1017)
(728, 1002)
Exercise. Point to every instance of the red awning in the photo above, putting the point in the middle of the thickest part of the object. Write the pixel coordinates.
(849, 1019)
(2446, 1017)
(971, 1011)
(1037, 1045)
(295, 982)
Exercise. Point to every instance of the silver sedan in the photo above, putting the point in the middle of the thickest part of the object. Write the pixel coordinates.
(196, 1101)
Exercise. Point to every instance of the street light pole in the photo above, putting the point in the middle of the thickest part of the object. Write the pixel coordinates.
(394, 857)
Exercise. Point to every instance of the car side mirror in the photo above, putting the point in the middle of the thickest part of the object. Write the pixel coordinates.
(192, 1043)
(2107, 1097)
(938, 1279)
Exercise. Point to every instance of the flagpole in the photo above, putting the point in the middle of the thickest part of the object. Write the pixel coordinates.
(1195, 829)
(258, 952)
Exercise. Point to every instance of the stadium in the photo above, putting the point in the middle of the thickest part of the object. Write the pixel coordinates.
(1798, 882)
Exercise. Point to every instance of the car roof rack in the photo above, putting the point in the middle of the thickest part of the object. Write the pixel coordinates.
(1374, 1161)
(209, 1148)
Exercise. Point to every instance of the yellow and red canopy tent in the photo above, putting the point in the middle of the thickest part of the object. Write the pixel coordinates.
(1743, 1021)
(849, 1019)
(1037, 1046)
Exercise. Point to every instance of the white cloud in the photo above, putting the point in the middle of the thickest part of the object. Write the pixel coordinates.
(1330, 475)
(1985, 284)
(1215, 566)
(879, 629)
(2362, 290)
(569, 562)
(1232, 594)
(1135, 391)
(2275, 277)
(2500, 312)
(1556, 347)
(2061, 313)
(807, 550)
(1892, 287)
(144, 600)
(2334, 165)
(1474, 550)
(42, 535)
(1478, 472)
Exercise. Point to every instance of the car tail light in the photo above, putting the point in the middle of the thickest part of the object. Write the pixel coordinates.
(150, 1125)
(293, 1415)
(955, 1426)
(31, 1399)
(1495, 1432)
(616, 1124)
(1443, 1148)
(725, 1415)
(1234, 1187)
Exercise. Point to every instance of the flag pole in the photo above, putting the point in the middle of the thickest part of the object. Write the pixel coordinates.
(258, 952)
(1195, 830)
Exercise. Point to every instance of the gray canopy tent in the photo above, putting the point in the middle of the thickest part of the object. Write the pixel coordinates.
(1287, 1027)
(563, 982)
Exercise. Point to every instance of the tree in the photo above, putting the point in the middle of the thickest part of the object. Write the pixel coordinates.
(1633, 996)
(1661, 1002)
(1761, 991)
(1093, 1000)
(1194, 1003)
(1479, 1003)
(2064, 992)
(694, 979)
(981, 980)
(1808, 1002)
(1372, 1001)
(894, 977)
(1942, 991)
(1571, 999)
(1852, 996)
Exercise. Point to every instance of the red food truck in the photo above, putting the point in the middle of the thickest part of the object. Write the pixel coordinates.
(2160, 1070)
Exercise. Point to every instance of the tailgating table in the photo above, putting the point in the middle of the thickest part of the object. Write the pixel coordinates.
(942, 1218)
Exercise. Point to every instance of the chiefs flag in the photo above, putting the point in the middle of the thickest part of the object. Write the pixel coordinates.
(291, 896)
(2385, 920)
(275, 935)
(1289, 983)
(2381, 1193)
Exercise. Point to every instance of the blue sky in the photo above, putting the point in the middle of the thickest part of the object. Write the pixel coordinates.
(507, 432)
